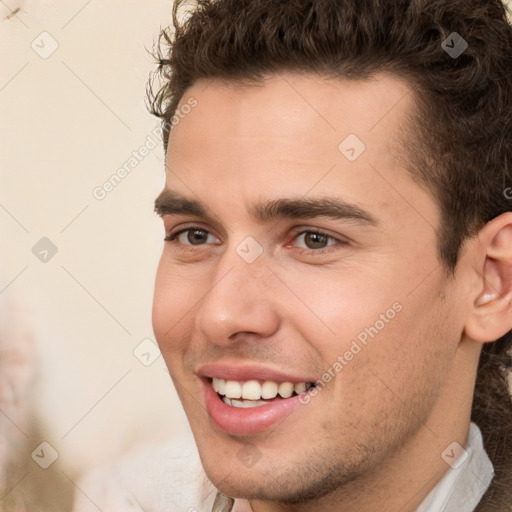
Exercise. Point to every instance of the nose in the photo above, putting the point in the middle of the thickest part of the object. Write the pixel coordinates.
(239, 303)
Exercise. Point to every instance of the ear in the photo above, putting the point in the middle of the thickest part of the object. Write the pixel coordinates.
(490, 316)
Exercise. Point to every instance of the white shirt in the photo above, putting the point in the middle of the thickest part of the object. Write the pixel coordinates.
(170, 478)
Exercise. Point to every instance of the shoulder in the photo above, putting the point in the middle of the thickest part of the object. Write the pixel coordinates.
(164, 477)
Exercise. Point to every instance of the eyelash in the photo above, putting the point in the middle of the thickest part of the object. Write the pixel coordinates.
(172, 237)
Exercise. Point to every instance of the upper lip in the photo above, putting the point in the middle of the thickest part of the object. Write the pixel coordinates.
(244, 371)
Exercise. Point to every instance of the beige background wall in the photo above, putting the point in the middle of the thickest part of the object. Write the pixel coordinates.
(72, 79)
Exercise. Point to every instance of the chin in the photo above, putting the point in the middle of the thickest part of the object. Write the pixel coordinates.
(301, 478)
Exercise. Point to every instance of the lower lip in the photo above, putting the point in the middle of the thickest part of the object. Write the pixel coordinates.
(238, 421)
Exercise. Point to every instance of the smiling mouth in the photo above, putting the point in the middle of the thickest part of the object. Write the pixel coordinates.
(255, 393)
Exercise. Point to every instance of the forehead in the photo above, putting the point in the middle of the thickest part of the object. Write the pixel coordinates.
(288, 106)
(291, 119)
(294, 134)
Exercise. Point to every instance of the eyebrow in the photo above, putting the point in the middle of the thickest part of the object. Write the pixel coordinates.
(170, 202)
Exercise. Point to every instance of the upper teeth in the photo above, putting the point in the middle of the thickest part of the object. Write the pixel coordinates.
(254, 390)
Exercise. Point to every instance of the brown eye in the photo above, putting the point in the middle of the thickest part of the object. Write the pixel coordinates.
(192, 236)
(197, 236)
(315, 240)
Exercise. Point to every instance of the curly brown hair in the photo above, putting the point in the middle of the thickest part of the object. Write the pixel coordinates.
(461, 150)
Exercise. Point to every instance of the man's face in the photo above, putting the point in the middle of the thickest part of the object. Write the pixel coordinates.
(356, 301)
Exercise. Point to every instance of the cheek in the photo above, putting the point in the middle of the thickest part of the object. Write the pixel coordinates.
(401, 369)
(377, 338)
(336, 308)
(173, 298)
